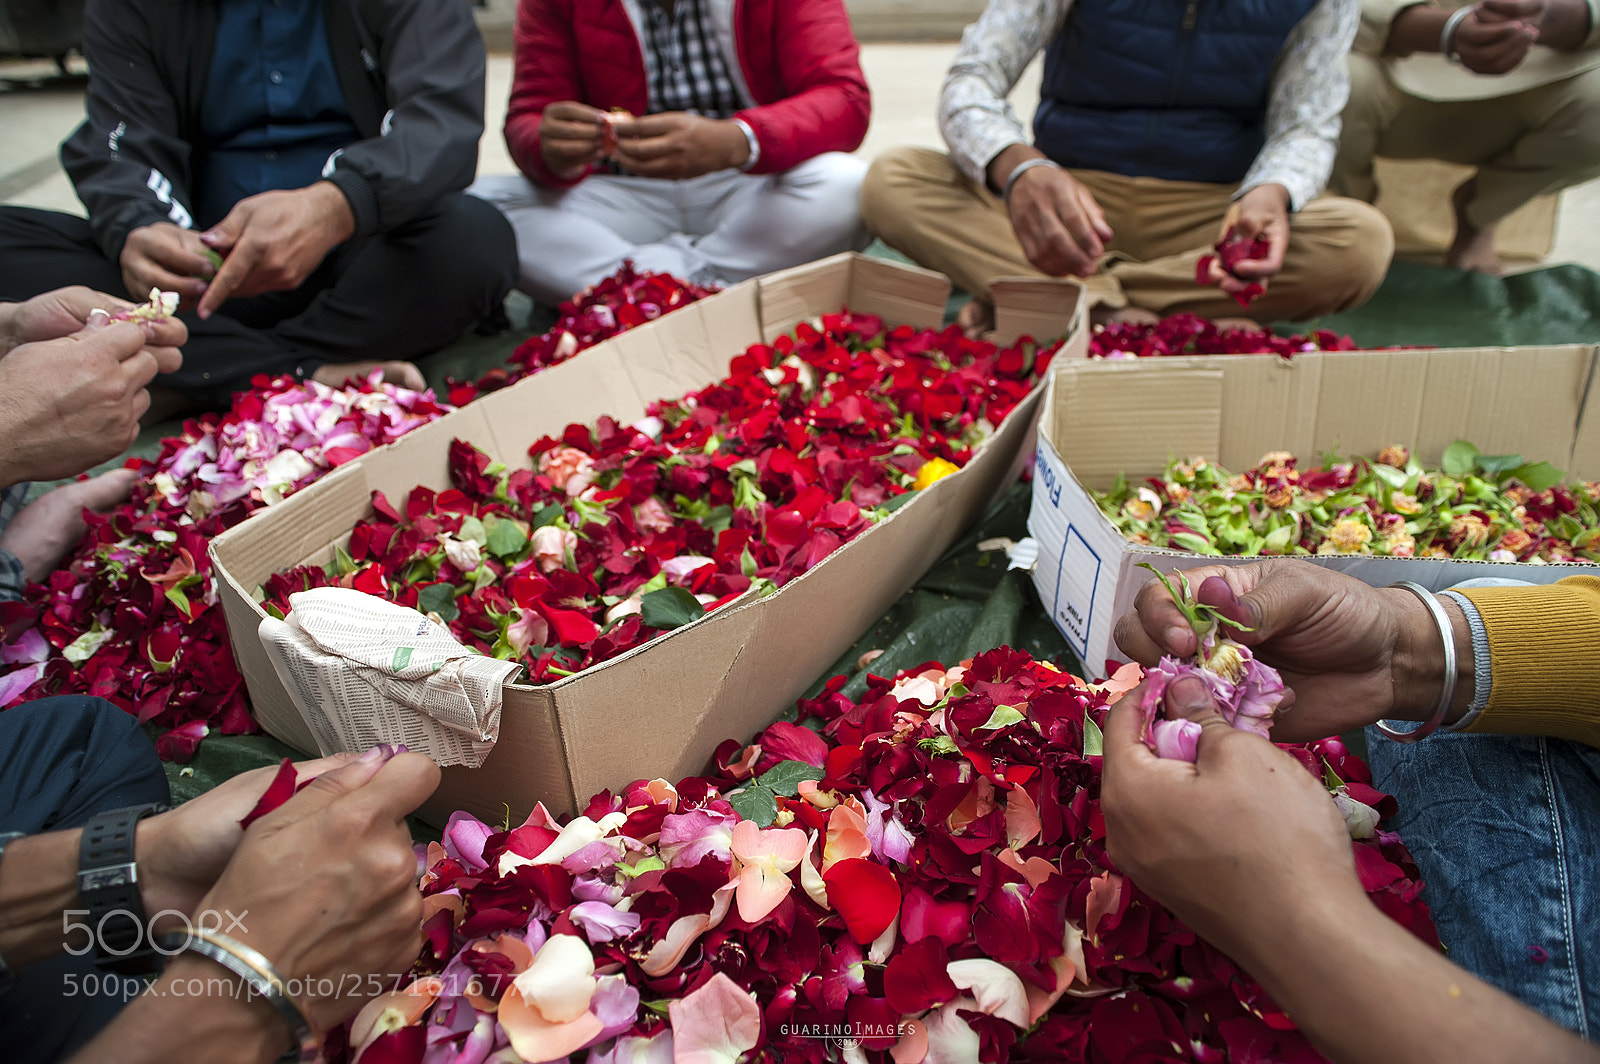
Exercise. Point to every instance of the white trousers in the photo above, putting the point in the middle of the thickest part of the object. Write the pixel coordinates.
(721, 227)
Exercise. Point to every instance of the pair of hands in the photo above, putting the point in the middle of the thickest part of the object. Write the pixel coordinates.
(1245, 822)
(269, 242)
(1063, 231)
(324, 886)
(673, 144)
(73, 382)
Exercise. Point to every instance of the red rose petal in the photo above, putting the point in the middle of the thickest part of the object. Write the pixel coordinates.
(865, 894)
(280, 790)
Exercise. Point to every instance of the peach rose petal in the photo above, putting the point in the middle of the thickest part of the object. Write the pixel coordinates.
(717, 1024)
(1105, 895)
(560, 982)
(536, 1039)
(513, 949)
(913, 1044)
(847, 834)
(1022, 818)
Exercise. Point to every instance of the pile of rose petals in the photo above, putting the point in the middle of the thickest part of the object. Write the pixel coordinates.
(922, 873)
(617, 533)
(1188, 334)
(1476, 507)
(130, 617)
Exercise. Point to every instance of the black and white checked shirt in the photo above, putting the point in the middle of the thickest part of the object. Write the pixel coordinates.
(683, 65)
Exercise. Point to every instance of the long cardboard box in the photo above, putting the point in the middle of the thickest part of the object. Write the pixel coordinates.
(661, 709)
(1105, 418)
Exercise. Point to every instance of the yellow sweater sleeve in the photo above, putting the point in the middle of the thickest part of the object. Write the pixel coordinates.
(1544, 654)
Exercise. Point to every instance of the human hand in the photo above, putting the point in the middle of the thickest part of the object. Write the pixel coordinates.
(571, 136)
(1261, 213)
(169, 257)
(181, 853)
(69, 404)
(1236, 843)
(1057, 221)
(679, 145)
(1352, 654)
(271, 242)
(66, 310)
(326, 883)
(1498, 35)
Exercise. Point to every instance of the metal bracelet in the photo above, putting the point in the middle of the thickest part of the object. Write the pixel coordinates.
(1447, 633)
(1022, 168)
(1447, 36)
(258, 973)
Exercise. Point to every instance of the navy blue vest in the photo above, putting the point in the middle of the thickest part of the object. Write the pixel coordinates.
(1175, 89)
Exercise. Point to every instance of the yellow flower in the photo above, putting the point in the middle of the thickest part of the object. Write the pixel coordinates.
(1227, 662)
(1348, 536)
(933, 469)
(1395, 455)
(1400, 544)
(1405, 504)
(1279, 496)
(1469, 529)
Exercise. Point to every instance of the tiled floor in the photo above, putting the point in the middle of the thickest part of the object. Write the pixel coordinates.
(904, 78)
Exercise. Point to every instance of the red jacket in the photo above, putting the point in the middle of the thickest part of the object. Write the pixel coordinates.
(798, 57)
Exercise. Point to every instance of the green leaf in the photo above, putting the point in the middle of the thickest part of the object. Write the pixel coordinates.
(894, 502)
(1395, 478)
(939, 746)
(785, 777)
(548, 516)
(1460, 458)
(506, 538)
(178, 599)
(1496, 464)
(1002, 717)
(669, 608)
(343, 564)
(1539, 476)
(440, 599)
(1094, 741)
(472, 531)
(1330, 778)
(1193, 543)
(756, 803)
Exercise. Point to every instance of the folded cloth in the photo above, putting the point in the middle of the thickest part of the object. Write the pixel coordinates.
(363, 670)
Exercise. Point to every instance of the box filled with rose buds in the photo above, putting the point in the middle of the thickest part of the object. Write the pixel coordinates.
(676, 531)
(1434, 466)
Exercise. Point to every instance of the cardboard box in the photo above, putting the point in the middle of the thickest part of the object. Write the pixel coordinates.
(1105, 418)
(661, 709)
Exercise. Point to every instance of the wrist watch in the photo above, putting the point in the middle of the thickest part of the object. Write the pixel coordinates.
(108, 884)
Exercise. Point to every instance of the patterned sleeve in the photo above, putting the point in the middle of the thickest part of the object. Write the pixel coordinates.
(974, 117)
(1309, 90)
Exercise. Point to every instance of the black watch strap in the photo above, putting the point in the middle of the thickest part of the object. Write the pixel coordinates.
(108, 884)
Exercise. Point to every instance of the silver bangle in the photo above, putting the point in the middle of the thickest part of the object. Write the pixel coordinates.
(1022, 168)
(258, 973)
(1447, 633)
(750, 139)
(1447, 36)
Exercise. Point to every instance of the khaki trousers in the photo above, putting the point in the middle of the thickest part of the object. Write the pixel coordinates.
(919, 203)
(1524, 145)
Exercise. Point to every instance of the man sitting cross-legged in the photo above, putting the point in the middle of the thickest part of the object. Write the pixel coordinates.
(1161, 127)
(701, 138)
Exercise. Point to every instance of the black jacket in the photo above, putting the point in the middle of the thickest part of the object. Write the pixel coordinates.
(412, 72)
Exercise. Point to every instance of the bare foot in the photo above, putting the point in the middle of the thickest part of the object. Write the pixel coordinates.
(400, 374)
(1473, 248)
(975, 319)
(47, 528)
(1100, 314)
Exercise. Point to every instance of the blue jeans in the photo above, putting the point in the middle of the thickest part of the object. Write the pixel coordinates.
(1506, 832)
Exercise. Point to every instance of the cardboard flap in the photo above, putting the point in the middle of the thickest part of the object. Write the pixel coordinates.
(1041, 307)
(896, 293)
(1526, 400)
(1268, 404)
(1108, 418)
(1585, 460)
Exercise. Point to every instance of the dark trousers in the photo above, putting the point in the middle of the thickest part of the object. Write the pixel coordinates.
(397, 295)
(61, 761)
